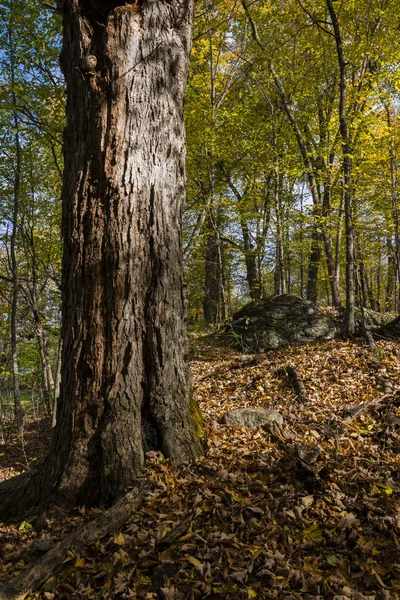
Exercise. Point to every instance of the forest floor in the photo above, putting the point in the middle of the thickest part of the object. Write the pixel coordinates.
(258, 523)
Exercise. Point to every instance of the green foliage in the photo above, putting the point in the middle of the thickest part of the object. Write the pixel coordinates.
(32, 95)
(237, 127)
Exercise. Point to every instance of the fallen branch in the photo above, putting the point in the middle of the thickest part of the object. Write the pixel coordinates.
(53, 561)
(247, 360)
(176, 533)
(295, 381)
(384, 400)
(375, 364)
(387, 385)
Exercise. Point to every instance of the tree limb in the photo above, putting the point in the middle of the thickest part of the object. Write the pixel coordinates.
(53, 561)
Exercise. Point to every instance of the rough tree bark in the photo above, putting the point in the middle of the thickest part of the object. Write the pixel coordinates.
(125, 385)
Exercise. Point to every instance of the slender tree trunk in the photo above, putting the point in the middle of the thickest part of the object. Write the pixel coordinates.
(48, 381)
(313, 266)
(250, 261)
(395, 207)
(347, 181)
(125, 385)
(262, 235)
(339, 236)
(57, 385)
(280, 284)
(363, 285)
(251, 254)
(366, 288)
(41, 336)
(13, 239)
(211, 269)
(327, 239)
(214, 304)
(378, 281)
(319, 205)
(301, 294)
(222, 310)
(390, 284)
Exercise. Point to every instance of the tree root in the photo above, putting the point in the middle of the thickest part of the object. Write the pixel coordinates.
(295, 381)
(52, 562)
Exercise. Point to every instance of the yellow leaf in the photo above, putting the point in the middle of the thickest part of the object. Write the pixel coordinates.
(236, 497)
(384, 488)
(80, 561)
(252, 593)
(186, 537)
(194, 561)
(119, 539)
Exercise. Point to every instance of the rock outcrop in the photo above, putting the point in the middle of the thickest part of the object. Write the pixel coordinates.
(391, 330)
(280, 321)
(288, 320)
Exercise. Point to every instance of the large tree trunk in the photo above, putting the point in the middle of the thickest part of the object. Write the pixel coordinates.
(125, 385)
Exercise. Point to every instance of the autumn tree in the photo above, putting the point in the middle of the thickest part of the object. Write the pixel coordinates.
(125, 385)
(31, 113)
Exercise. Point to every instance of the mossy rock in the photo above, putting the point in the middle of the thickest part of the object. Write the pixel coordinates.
(278, 322)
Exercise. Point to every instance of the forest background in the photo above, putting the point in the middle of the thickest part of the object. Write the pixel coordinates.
(292, 168)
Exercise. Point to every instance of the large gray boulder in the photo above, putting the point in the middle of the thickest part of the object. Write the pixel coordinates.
(278, 322)
(390, 330)
(252, 417)
(373, 320)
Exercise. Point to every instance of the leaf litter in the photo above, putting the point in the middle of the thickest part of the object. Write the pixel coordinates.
(308, 511)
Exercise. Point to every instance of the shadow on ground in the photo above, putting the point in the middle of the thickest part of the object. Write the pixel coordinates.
(19, 453)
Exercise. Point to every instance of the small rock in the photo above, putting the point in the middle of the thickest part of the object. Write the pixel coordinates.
(252, 417)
